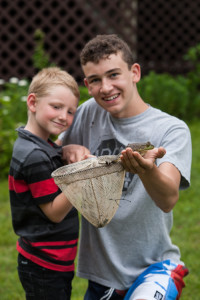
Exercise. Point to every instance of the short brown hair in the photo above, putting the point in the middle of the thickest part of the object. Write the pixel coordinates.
(50, 77)
(102, 46)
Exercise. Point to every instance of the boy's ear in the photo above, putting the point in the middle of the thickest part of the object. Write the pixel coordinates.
(87, 86)
(31, 102)
(136, 72)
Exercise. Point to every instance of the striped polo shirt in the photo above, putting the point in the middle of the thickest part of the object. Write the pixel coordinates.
(48, 244)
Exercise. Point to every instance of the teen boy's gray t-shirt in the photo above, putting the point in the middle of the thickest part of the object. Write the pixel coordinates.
(138, 235)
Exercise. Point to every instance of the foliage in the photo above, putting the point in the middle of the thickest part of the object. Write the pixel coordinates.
(185, 234)
(40, 58)
(193, 84)
(13, 113)
(165, 92)
(176, 95)
(84, 95)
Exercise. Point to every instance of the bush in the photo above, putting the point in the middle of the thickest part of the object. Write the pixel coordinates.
(84, 95)
(13, 113)
(166, 92)
(40, 58)
(177, 95)
(193, 85)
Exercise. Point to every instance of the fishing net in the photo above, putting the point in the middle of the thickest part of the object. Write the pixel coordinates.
(93, 186)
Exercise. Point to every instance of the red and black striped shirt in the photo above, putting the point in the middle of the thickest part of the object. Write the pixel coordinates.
(48, 244)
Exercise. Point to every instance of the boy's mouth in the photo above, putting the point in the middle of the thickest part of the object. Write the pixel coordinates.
(60, 124)
(111, 97)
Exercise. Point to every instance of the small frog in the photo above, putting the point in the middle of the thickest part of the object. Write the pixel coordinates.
(142, 148)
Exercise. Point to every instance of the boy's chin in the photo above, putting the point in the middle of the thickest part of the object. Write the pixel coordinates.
(56, 132)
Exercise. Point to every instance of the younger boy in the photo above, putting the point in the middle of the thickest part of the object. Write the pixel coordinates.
(42, 216)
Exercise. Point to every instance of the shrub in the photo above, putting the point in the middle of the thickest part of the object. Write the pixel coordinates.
(193, 83)
(84, 95)
(165, 92)
(13, 113)
(40, 58)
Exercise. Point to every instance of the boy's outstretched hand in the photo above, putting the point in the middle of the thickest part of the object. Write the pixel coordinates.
(133, 162)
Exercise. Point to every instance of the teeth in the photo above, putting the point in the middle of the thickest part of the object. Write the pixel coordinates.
(111, 98)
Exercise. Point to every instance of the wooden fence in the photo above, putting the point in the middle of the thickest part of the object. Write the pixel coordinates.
(159, 32)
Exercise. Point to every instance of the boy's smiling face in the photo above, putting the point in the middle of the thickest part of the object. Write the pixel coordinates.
(112, 84)
(51, 114)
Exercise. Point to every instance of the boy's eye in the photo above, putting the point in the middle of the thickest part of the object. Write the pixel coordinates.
(94, 80)
(71, 112)
(114, 75)
(55, 106)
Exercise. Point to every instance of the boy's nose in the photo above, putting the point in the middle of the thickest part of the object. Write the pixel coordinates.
(105, 86)
(63, 116)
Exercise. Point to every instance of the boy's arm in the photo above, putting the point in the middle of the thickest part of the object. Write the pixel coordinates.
(57, 209)
(44, 191)
(162, 183)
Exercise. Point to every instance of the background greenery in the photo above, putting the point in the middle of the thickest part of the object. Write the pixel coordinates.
(179, 96)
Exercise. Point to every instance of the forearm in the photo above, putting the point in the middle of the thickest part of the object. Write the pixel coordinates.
(161, 183)
(57, 209)
(163, 190)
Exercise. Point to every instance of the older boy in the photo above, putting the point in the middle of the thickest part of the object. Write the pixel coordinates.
(134, 251)
(42, 216)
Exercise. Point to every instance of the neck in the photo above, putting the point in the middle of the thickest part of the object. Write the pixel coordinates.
(33, 128)
(140, 105)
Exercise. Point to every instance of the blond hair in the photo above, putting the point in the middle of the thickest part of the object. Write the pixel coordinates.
(50, 77)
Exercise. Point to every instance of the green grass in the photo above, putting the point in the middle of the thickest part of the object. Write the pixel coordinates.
(186, 229)
(185, 233)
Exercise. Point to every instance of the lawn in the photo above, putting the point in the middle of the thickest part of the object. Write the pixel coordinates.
(185, 233)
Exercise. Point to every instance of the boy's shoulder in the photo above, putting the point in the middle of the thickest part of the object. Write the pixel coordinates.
(25, 149)
(32, 148)
(26, 140)
(163, 117)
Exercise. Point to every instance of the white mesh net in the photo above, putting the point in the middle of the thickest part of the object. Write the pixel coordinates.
(93, 186)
